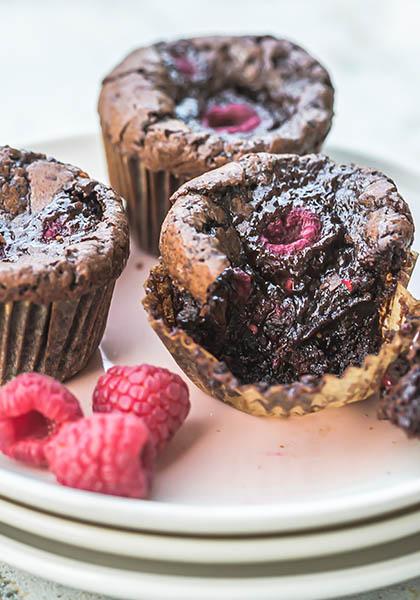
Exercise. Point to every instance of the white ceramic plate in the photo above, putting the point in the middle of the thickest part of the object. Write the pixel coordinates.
(126, 578)
(210, 550)
(227, 472)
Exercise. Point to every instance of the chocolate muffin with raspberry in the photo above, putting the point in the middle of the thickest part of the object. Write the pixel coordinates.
(283, 269)
(63, 243)
(400, 397)
(172, 111)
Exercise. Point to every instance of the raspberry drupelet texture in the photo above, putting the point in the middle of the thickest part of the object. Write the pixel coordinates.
(32, 409)
(108, 454)
(159, 397)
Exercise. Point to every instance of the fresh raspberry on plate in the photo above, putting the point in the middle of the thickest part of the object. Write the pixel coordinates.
(32, 409)
(159, 397)
(108, 454)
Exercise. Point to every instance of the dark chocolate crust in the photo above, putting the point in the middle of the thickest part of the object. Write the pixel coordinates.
(309, 301)
(62, 233)
(152, 109)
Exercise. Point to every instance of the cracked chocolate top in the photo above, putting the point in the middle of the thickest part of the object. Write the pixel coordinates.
(61, 233)
(280, 265)
(193, 105)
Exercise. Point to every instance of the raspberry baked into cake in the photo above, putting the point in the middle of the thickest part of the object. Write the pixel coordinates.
(172, 111)
(63, 243)
(280, 275)
(400, 398)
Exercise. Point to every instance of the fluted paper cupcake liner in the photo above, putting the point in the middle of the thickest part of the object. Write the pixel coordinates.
(147, 194)
(213, 376)
(57, 339)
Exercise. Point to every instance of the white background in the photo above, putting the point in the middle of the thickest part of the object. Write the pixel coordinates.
(53, 55)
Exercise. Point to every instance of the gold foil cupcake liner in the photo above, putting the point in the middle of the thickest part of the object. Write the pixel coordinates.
(146, 192)
(57, 339)
(213, 377)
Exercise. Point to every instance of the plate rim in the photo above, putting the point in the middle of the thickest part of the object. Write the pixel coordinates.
(97, 577)
(214, 550)
(149, 515)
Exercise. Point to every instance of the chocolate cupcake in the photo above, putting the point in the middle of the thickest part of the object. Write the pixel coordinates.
(172, 111)
(63, 243)
(281, 280)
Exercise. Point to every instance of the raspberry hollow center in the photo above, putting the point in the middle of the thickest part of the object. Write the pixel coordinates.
(231, 118)
(32, 425)
(289, 234)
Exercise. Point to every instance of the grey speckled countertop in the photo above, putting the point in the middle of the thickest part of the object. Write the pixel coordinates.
(372, 50)
(16, 585)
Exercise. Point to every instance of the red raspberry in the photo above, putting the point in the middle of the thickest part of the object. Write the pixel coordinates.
(108, 454)
(32, 408)
(184, 65)
(348, 283)
(52, 229)
(289, 234)
(231, 118)
(154, 394)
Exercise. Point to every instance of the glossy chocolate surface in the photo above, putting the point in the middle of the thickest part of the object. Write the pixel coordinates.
(192, 105)
(294, 257)
(60, 231)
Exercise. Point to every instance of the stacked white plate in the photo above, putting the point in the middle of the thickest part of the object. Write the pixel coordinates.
(242, 508)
